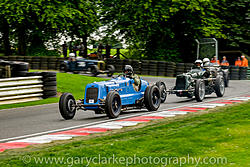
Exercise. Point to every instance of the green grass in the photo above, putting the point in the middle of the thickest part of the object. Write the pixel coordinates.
(222, 133)
(72, 83)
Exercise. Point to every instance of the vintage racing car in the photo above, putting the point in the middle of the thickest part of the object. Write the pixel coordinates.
(94, 66)
(198, 83)
(113, 96)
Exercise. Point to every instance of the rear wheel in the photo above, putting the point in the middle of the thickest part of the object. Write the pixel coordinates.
(67, 106)
(94, 70)
(199, 90)
(113, 104)
(152, 98)
(111, 70)
(63, 68)
(219, 86)
(163, 90)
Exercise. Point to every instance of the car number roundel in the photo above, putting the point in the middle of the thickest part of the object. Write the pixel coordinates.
(81, 64)
(91, 101)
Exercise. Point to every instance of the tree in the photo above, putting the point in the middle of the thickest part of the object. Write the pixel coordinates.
(35, 22)
(166, 29)
(4, 29)
(236, 16)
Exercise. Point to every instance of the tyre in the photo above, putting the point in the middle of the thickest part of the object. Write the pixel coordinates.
(163, 89)
(50, 88)
(200, 90)
(152, 98)
(63, 68)
(94, 70)
(50, 93)
(49, 79)
(111, 70)
(219, 86)
(35, 65)
(34, 74)
(67, 106)
(226, 80)
(51, 83)
(18, 66)
(19, 73)
(113, 104)
(49, 74)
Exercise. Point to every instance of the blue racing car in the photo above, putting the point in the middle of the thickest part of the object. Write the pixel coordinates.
(96, 67)
(113, 96)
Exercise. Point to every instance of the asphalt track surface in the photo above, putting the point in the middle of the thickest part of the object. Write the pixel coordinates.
(43, 119)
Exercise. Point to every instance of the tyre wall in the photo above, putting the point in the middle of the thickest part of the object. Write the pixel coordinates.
(41, 63)
(144, 67)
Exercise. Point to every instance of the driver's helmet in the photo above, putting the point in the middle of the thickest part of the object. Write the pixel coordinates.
(206, 62)
(198, 63)
(128, 70)
(72, 55)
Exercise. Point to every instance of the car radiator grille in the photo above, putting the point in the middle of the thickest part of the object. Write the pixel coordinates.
(92, 94)
(180, 83)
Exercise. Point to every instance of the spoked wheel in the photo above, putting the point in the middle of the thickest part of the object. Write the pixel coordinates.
(200, 90)
(163, 90)
(152, 98)
(219, 86)
(67, 106)
(63, 68)
(111, 70)
(94, 70)
(113, 104)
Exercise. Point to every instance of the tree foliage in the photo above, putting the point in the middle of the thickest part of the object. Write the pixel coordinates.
(36, 22)
(167, 28)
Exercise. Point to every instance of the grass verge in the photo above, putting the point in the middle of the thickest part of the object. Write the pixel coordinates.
(218, 137)
(72, 83)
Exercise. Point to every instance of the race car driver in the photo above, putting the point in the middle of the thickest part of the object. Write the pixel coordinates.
(129, 72)
(206, 62)
(198, 64)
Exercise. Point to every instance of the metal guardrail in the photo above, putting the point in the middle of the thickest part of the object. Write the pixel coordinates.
(20, 89)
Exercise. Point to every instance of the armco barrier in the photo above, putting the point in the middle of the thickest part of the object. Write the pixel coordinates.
(20, 89)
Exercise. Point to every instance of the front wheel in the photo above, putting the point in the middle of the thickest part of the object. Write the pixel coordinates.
(152, 98)
(113, 104)
(219, 86)
(163, 90)
(226, 80)
(67, 106)
(200, 90)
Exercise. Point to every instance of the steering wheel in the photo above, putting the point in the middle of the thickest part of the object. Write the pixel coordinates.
(119, 75)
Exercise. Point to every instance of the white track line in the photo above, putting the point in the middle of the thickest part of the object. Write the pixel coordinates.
(174, 112)
(124, 123)
(160, 115)
(240, 98)
(216, 104)
(204, 106)
(43, 139)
